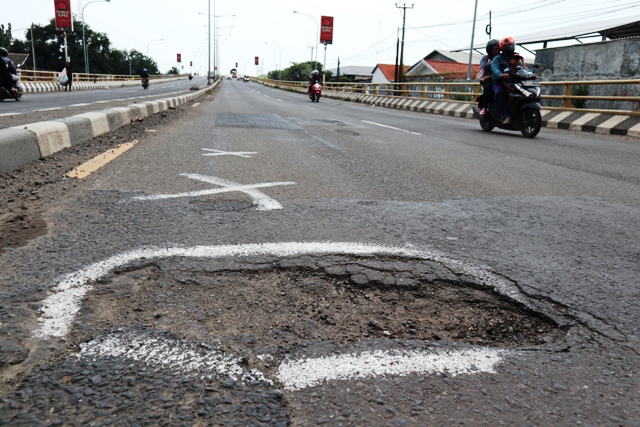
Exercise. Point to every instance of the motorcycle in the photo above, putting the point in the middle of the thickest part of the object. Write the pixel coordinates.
(145, 83)
(523, 100)
(316, 91)
(6, 92)
(190, 77)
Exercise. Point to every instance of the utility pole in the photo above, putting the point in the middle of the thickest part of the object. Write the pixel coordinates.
(404, 8)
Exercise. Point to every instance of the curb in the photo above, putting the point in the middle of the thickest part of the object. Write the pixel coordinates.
(603, 124)
(40, 87)
(26, 143)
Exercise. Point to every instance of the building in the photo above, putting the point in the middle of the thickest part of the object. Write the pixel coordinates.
(356, 73)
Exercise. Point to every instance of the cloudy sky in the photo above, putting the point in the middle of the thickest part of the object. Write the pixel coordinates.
(365, 32)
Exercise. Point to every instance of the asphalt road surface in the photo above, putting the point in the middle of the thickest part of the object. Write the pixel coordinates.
(258, 259)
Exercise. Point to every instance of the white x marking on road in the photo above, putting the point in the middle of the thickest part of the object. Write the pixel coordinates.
(228, 153)
(261, 200)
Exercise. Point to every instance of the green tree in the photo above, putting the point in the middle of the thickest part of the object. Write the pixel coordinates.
(173, 70)
(5, 36)
(49, 47)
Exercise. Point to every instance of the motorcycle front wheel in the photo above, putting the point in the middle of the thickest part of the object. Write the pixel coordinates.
(485, 126)
(531, 122)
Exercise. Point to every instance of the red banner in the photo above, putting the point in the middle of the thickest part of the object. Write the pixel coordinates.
(326, 29)
(64, 19)
(257, 62)
(179, 58)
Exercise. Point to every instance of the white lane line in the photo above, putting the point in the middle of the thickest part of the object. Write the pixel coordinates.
(10, 114)
(170, 354)
(59, 309)
(278, 99)
(228, 153)
(50, 109)
(391, 127)
(298, 374)
(311, 108)
(261, 200)
(80, 105)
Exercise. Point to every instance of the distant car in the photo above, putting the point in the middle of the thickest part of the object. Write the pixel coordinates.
(228, 78)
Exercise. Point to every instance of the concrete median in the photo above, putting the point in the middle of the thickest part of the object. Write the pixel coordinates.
(29, 142)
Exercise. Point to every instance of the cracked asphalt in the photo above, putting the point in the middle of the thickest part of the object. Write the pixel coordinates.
(454, 277)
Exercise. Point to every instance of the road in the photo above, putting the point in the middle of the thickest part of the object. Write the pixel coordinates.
(264, 260)
(35, 107)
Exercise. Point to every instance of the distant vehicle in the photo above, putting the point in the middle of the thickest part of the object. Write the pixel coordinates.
(316, 91)
(145, 83)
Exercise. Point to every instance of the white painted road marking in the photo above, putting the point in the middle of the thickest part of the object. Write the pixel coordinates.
(228, 153)
(59, 309)
(170, 354)
(298, 374)
(391, 127)
(261, 200)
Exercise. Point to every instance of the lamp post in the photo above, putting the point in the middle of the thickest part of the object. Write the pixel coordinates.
(280, 62)
(214, 36)
(156, 40)
(84, 43)
(317, 33)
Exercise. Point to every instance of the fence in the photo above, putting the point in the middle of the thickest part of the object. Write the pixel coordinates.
(564, 96)
(52, 76)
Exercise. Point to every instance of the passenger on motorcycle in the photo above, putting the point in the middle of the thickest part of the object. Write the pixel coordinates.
(313, 77)
(484, 76)
(14, 83)
(507, 48)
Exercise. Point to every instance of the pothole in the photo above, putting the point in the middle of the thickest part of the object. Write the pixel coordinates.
(20, 228)
(339, 299)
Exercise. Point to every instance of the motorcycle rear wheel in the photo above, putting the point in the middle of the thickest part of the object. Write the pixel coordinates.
(531, 122)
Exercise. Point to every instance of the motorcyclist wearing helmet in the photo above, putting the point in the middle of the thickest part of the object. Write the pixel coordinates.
(12, 79)
(484, 76)
(507, 48)
(314, 77)
(144, 74)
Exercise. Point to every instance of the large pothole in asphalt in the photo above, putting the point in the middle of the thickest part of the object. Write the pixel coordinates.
(281, 303)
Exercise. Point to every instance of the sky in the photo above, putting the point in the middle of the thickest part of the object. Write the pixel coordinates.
(365, 32)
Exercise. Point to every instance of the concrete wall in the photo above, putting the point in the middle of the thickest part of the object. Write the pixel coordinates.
(612, 60)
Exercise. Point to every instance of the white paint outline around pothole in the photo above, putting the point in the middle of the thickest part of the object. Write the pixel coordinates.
(261, 200)
(310, 372)
(59, 309)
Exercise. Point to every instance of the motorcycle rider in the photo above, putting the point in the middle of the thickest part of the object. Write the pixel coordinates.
(484, 76)
(507, 48)
(13, 80)
(313, 78)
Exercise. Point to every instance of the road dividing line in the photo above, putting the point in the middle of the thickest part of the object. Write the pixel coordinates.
(298, 374)
(245, 154)
(391, 127)
(59, 309)
(87, 168)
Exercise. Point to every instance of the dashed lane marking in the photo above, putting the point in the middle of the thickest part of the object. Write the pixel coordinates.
(261, 200)
(59, 309)
(391, 127)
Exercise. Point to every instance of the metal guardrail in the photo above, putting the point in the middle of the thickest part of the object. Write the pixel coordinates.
(52, 76)
(468, 92)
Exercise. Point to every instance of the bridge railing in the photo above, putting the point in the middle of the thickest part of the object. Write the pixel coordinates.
(623, 98)
(52, 76)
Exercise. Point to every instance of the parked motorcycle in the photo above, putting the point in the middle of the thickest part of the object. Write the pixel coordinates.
(523, 103)
(316, 91)
(145, 83)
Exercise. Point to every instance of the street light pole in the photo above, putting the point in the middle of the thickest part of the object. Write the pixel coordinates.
(280, 62)
(317, 33)
(156, 40)
(84, 43)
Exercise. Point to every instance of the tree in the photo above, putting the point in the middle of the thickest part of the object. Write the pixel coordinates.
(173, 70)
(5, 36)
(49, 47)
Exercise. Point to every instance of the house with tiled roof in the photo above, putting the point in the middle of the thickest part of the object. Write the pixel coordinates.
(441, 70)
(385, 73)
